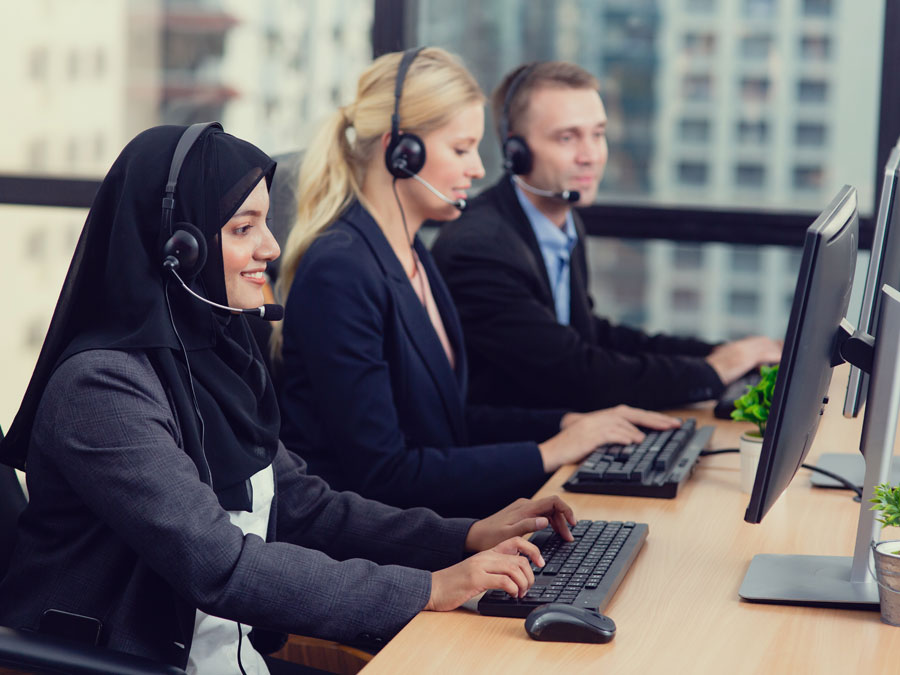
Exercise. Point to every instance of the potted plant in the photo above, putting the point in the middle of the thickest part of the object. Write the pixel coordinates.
(754, 407)
(887, 553)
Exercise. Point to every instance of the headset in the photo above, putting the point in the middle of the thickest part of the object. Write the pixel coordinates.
(518, 159)
(404, 156)
(185, 250)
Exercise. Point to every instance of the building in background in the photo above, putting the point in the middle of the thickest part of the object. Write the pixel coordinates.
(90, 74)
(769, 104)
(765, 103)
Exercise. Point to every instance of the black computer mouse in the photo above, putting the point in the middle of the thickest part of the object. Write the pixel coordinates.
(565, 623)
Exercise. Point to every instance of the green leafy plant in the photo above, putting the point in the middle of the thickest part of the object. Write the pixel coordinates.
(887, 501)
(755, 404)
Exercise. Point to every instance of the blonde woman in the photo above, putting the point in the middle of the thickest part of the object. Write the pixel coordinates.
(372, 357)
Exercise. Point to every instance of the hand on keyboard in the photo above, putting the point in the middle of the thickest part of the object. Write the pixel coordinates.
(498, 568)
(522, 517)
(583, 432)
(732, 359)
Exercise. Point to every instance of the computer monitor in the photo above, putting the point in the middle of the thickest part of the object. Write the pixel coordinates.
(820, 303)
(819, 337)
(884, 268)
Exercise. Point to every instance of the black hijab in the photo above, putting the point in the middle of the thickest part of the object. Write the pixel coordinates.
(114, 297)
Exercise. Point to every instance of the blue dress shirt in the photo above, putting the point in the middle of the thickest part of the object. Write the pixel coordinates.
(556, 246)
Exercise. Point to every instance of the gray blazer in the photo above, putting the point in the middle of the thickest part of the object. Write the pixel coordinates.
(120, 527)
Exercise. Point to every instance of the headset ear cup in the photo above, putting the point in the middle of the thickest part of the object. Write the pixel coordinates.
(405, 155)
(188, 247)
(517, 158)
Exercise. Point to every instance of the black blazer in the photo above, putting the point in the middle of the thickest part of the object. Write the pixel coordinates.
(120, 528)
(367, 393)
(520, 355)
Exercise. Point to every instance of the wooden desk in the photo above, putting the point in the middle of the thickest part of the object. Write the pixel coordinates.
(678, 610)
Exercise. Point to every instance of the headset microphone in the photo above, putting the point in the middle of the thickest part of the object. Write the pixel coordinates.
(571, 196)
(458, 203)
(267, 312)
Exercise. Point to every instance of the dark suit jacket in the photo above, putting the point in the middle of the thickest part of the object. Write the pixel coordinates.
(119, 527)
(368, 396)
(520, 355)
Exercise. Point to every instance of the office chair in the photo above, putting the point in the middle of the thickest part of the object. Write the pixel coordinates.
(26, 652)
(282, 216)
(283, 202)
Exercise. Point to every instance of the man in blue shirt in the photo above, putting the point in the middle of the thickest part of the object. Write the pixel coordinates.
(516, 266)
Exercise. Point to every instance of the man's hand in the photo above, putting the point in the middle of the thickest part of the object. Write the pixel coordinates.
(582, 432)
(521, 517)
(732, 359)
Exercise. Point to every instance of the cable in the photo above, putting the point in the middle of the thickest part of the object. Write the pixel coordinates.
(840, 479)
(240, 640)
(412, 249)
(187, 364)
(833, 476)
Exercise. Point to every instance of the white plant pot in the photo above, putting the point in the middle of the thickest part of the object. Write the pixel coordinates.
(749, 447)
(887, 574)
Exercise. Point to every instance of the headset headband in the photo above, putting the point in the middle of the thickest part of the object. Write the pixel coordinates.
(185, 143)
(408, 56)
(510, 93)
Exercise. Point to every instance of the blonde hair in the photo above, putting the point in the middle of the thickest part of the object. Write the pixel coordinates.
(437, 85)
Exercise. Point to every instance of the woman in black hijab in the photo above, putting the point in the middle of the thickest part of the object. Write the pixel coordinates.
(164, 512)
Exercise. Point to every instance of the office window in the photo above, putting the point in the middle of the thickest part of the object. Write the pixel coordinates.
(694, 130)
(755, 88)
(687, 256)
(817, 7)
(810, 134)
(697, 87)
(743, 303)
(699, 44)
(685, 300)
(815, 47)
(37, 63)
(754, 132)
(808, 177)
(812, 91)
(749, 175)
(756, 47)
(662, 61)
(746, 259)
(760, 9)
(693, 173)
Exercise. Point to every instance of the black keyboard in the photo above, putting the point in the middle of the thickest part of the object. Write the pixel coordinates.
(733, 392)
(656, 467)
(584, 573)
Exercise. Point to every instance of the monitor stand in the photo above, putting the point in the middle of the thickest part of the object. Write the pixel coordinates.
(845, 582)
(851, 467)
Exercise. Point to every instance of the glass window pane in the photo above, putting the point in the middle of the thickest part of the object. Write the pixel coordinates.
(44, 240)
(269, 71)
(753, 69)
